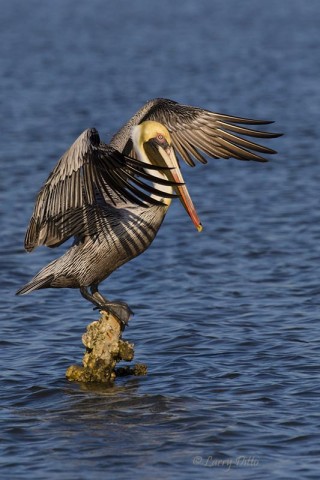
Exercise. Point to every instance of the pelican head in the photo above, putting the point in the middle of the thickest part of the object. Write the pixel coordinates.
(152, 142)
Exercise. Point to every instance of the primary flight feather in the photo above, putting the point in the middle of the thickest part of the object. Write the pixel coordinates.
(113, 198)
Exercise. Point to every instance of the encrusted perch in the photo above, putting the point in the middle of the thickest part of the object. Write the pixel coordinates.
(104, 349)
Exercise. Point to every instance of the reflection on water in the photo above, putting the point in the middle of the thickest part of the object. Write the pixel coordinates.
(226, 320)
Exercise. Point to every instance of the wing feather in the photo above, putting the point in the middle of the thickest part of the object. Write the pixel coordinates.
(92, 176)
(89, 177)
(182, 151)
(195, 130)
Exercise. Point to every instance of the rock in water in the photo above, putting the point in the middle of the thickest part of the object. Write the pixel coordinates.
(104, 349)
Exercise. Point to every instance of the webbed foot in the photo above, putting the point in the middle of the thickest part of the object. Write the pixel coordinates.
(117, 308)
(120, 310)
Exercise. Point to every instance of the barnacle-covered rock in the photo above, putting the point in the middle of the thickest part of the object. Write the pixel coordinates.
(104, 349)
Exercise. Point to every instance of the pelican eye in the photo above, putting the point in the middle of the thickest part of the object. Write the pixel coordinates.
(161, 140)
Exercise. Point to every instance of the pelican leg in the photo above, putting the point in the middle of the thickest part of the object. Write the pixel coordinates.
(88, 296)
(120, 309)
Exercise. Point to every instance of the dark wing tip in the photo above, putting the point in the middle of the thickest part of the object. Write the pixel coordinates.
(31, 235)
(93, 136)
(275, 135)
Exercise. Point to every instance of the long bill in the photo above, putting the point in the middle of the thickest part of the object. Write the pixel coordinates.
(174, 174)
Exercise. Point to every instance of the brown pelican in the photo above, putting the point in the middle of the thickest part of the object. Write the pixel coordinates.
(113, 198)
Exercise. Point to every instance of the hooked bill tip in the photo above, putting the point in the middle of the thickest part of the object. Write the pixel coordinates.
(199, 227)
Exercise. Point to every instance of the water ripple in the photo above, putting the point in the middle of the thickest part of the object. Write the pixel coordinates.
(228, 321)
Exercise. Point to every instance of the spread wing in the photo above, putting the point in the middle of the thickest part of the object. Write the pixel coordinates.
(88, 180)
(197, 133)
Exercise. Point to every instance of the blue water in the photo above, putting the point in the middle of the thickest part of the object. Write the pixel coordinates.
(226, 320)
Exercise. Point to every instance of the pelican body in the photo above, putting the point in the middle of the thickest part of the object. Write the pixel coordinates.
(113, 198)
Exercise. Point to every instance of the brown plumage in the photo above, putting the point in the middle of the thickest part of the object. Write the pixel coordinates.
(113, 198)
